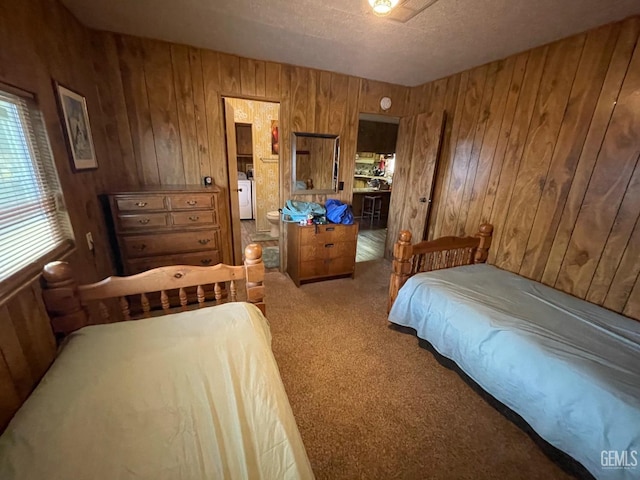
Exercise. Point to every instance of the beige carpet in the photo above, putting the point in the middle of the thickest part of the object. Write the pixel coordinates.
(371, 404)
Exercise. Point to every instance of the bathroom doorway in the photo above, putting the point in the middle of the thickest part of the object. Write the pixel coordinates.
(253, 165)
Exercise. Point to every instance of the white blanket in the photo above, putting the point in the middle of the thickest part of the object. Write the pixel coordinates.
(192, 395)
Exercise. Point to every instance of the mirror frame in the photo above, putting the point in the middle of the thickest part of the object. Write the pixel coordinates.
(336, 163)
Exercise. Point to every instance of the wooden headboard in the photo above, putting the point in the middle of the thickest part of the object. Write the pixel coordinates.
(444, 252)
(68, 304)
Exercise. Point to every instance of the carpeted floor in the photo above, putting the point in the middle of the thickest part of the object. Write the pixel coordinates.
(371, 404)
(271, 257)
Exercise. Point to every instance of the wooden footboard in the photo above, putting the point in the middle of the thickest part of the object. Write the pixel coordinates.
(444, 252)
(68, 303)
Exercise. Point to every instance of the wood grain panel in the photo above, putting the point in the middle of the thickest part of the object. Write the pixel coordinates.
(14, 355)
(163, 111)
(626, 275)
(619, 238)
(261, 79)
(460, 163)
(597, 130)
(272, 80)
(513, 95)
(575, 125)
(299, 99)
(632, 307)
(112, 104)
(229, 74)
(553, 95)
(478, 141)
(188, 136)
(200, 113)
(248, 76)
(517, 138)
(137, 101)
(606, 189)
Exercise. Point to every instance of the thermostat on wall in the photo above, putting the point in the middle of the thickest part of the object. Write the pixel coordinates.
(385, 103)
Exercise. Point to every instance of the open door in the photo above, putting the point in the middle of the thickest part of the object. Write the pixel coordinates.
(419, 141)
(232, 164)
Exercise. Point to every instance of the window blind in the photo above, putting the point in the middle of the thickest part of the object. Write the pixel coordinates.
(33, 220)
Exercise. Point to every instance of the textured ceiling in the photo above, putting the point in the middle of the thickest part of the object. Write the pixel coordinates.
(344, 36)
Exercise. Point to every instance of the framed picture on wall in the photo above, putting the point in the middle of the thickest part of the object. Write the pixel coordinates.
(75, 119)
(275, 147)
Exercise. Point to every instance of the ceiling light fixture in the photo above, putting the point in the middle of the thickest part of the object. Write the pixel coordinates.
(382, 7)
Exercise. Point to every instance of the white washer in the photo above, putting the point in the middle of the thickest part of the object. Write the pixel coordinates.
(245, 199)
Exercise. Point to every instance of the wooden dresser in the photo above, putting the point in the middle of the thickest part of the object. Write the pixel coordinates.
(319, 252)
(162, 226)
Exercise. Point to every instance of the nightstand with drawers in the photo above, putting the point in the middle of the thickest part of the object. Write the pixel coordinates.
(320, 252)
(162, 226)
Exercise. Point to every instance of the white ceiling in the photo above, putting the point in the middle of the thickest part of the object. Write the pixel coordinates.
(344, 36)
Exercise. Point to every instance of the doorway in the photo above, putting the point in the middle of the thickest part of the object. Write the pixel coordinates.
(253, 165)
(372, 182)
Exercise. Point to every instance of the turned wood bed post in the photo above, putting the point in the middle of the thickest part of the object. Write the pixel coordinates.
(60, 295)
(401, 267)
(254, 267)
(482, 252)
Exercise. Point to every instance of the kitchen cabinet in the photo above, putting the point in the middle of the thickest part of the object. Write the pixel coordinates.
(377, 137)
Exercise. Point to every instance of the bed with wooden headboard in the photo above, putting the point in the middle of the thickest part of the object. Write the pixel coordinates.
(569, 368)
(193, 393)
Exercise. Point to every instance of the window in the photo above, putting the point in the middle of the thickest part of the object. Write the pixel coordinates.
(33, 220)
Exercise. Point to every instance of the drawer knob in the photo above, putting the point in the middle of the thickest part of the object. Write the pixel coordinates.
(178, 275)
(141, 204)
(204, 241)
(191, 202)
(328, 245)
(144, 221)
(330, 229)
(194, 218)
(140, 247)
(205, 261)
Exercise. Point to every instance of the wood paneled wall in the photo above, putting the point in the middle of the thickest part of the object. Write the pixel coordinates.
(41, 42)
(163, 105)
(544, 145)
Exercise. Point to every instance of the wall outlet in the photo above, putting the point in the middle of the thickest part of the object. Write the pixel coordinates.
(90, 241)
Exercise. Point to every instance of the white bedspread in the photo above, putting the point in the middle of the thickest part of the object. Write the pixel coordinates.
(192, 395)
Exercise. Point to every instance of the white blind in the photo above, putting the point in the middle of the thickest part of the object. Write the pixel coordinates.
(33, 220)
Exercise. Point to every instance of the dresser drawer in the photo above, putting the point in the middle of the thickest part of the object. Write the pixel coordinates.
(327, 250)
(140, 203)
(206, 258)
(331, 233)
(191, 201)
(148, 245)
(204, 217)
(326, 267)
(142, 221)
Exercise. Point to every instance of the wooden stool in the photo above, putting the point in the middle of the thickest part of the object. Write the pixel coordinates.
(371, 207)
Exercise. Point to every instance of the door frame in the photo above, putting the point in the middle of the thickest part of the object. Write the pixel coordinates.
(232, 173)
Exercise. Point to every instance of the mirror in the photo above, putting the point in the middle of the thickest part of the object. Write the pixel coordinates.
(315, 159)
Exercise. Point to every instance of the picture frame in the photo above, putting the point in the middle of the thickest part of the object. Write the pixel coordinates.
(275, 146)
(77, 129)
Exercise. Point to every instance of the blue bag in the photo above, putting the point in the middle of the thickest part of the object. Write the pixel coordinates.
(295, 211)
(338, 212)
